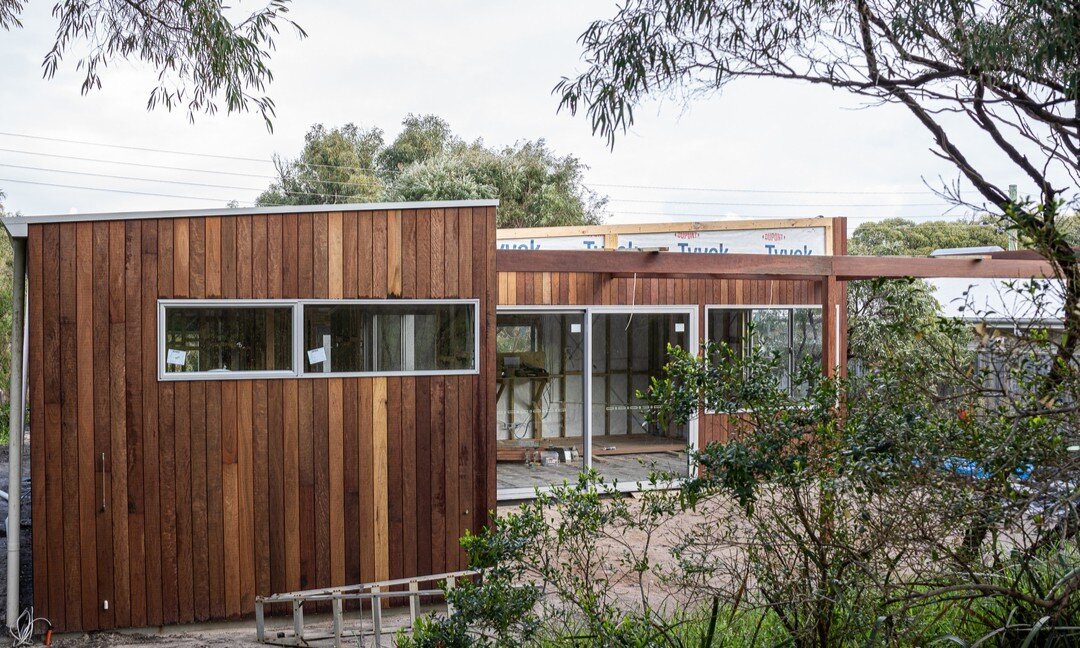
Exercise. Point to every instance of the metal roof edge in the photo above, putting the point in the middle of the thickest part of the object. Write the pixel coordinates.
(967, 251)
(15, 230)
(16, 225)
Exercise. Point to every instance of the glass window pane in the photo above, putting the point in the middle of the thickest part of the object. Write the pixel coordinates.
(728, 326)
(357, 338)
(805, 340)
(199, 338)
(806, 335)
(772, 336)
(443, 338)
(540, 398)
(337, 338)
(388, 343)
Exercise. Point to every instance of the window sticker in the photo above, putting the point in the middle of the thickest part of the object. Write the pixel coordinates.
(176, 357)
(316, 355)
(575, 328)
(680, 327)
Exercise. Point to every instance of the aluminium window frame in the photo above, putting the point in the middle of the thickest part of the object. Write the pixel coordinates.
(791, 331)
(475, 303)
(588, 311)
(164, 304)
(299, 367)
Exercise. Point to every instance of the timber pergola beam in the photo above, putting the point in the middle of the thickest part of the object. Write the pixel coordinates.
(763, 266)
(847, 268)
(667, 264)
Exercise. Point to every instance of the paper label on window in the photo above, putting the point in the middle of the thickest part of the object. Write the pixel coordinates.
(176, 357)
(316, 355)
(680, 327)
(575, 328)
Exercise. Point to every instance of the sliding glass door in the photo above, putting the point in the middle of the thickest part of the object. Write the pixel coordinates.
(629, 349)
(567, 395)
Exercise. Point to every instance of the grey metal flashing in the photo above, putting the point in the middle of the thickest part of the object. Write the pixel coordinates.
(966, 251)
(16, 225)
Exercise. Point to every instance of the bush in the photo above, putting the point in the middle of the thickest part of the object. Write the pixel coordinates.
(878, 510)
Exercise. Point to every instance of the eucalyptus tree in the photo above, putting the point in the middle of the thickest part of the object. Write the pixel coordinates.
(206, 54)
(898, 318)
(1000, 75)
(535, 187)
(336, 165)
(426, 160)
(1008, 68)
(421, 138)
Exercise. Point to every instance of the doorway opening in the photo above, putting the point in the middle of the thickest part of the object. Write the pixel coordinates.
(569, 392)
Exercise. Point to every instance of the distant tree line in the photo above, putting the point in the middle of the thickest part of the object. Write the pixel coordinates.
(427, 161)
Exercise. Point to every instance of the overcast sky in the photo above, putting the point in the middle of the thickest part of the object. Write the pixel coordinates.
(488, 69)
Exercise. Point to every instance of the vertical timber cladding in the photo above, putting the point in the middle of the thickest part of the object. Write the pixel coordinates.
(181, 501)
(596, 289)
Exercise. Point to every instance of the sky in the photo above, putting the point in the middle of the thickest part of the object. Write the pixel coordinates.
(758, 150)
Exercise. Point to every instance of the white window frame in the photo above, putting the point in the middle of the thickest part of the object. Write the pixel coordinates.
(299, 359)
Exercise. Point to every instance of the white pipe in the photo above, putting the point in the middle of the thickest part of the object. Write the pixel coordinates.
(25, 359)
(15, 425)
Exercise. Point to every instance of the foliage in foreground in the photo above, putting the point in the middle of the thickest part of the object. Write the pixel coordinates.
(5, 328)
(574, 566)
(206, 54)
(918, 503)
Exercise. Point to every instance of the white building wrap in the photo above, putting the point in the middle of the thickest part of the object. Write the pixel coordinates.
(553, 243)
(785, 241)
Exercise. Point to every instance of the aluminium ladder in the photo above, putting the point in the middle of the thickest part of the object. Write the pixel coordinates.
(374, 593)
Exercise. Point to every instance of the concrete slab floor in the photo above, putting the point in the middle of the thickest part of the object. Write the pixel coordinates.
(623, 468)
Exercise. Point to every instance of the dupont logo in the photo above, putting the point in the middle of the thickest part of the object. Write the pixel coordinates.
(687, 235)
(773, 236)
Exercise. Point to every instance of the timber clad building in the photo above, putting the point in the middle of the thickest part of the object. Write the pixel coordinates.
(225, 404)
